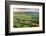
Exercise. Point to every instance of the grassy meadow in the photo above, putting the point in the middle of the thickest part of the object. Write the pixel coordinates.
(25, 19)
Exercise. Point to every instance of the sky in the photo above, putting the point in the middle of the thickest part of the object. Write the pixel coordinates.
(25, 8)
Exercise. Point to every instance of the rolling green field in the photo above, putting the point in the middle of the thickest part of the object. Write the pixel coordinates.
(25, 19)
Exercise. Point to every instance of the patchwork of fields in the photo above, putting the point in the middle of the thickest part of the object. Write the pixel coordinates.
(25, 19)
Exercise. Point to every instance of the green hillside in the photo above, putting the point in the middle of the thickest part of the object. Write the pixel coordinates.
(26, 20)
